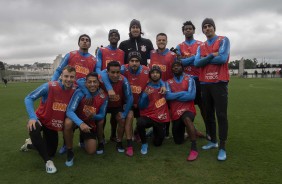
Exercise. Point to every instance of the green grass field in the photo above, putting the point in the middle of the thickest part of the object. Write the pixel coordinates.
(253, 149)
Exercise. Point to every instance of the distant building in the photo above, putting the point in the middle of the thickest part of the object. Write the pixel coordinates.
(56, 62)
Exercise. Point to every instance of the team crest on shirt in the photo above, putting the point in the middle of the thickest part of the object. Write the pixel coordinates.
(146, 71)
(143, 48)
(162, 116)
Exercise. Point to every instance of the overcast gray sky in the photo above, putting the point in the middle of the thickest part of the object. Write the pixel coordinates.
(38, 30)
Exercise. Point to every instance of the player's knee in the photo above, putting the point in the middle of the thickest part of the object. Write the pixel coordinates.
(68, 124)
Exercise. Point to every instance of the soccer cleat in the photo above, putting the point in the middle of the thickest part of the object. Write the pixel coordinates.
(69, 163)
(129, 151)
(221, 155)
(210, 145)
(144, 149)
(100, 149)
(119, 147)
(192, 155)
(50, 167)
(25, 146)
(63, 149)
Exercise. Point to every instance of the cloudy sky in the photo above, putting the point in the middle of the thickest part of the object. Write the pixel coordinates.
(38, 30)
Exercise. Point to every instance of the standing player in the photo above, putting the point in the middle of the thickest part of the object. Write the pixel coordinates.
(187, 51)
(136, 43)
(50, 115)
(106, 55)
(153, 111)
(88, 117)
(81, 60)
(110, 53)
(181, 94)
(212, 58)
(119, 106)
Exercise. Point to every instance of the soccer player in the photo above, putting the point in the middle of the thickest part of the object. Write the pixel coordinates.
(136, 43)
(212, 57)
(110, 53)
(50, 114)
(88, 117)
(153, 110)
(187, 51)
(119, 106)
(104, 56)
(181, 94)
(81, 60)
(163, 58)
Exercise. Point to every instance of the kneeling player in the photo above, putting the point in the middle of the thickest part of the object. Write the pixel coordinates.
(88, 117)
(181, 94)
(50, 115)
(153, 111)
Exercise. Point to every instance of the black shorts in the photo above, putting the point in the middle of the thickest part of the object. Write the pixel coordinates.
(188, 114)
(136, 112)
(114, 110)
(90, 135)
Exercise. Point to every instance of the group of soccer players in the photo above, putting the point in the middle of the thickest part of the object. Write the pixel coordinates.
(122, 82)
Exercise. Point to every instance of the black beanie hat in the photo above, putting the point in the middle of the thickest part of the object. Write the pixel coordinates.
(208, 21)
(134, 54)
(85, 36)
(155, 68)
(114, 31)
(135, 22)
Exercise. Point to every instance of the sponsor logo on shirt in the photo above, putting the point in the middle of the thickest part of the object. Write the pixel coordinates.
(59, 106)
(160, 102)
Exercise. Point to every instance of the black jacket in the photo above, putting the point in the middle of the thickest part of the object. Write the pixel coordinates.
(143, 45)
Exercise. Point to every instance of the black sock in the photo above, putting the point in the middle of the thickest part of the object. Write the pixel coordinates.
(222, 145)
(69, 154)
(129, 142)
(193, 145)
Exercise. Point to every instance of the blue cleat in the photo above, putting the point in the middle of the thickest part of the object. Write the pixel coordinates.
(210, 145)
(144, 149)
(69, 163)
(221, 155)
(63, 149)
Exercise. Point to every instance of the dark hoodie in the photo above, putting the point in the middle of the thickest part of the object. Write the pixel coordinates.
(142, 45)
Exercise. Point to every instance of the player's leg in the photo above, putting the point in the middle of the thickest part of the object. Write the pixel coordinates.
(158, 133)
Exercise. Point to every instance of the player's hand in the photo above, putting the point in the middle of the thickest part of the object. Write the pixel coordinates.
(31, 125)
(148, 91)
(162, 90)
(85, 128)
(215, 54)
(111, 94)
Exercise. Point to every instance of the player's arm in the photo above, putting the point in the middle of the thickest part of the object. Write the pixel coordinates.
(128, 98)
(41, 91)
(190, 94)
(200, 62)
(223, 52)
(102, 111)
(60, 68)
(75, 100)
(99, 61)
(171, 95)
(81, 84)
